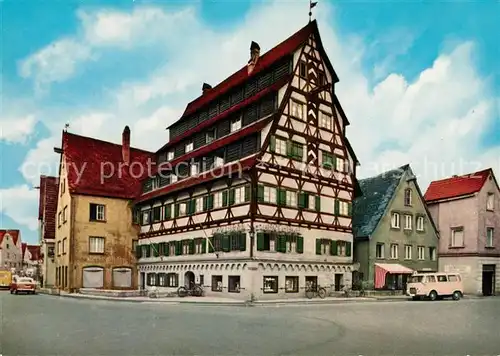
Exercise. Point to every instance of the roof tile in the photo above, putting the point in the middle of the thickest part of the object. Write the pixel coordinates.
(457, 186)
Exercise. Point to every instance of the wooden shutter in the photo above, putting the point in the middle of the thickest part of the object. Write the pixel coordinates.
(176, 212)
(232, 194)
(260, 241)
(348, 249)
(281, 243)
(224, 198)
(205, 203)
(243, 241)
(138, 251)
(156, 251)
(336, 207)
(281, 197)
(289, 148)
(317, 203)
(247, 193)
(225, 243)
(333, 248)
(349, 209)
(168, 211)
(300, 244)
(260, 193)
(272, 144)
(203, 245)
(148, 250)
(318, 246)
(210, 202)
(191, 247)
(211, 245)
(166, 250)
(178, 248)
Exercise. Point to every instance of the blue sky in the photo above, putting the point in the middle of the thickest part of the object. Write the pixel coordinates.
(419, 81)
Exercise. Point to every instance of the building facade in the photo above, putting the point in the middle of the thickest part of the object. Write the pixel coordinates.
(31, 261)
(47, 211)
(467, 212)
(10, 250)
(394, 232)
(253, 192)
(95, 237)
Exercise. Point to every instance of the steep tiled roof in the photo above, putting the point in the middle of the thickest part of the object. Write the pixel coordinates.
(34, 251)
(90, 156)
(13, 233)
(457, 186)
(377, 191)
(47, 209)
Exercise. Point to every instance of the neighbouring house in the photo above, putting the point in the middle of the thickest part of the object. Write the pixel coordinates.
(31, 260)
(11, 250)
(394, 232)
(95, 237)
(253, 193)
(47, 211)
(467, 212)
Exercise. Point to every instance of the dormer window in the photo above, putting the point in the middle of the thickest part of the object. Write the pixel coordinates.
(235, 124)
(408, 197)
(170, 155)
(189, 147)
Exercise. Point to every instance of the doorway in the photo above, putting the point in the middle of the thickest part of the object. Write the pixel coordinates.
(143, 281)
(339, 281)
(488, 280)
(189, 279)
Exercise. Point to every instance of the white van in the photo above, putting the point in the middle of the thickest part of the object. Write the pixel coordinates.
(435, 286)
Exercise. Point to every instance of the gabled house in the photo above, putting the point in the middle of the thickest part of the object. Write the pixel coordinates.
(95, 237)
(31, 260)
(467, 212)
(11, 250)
(394, 232)
(47, 211)
(253, 192)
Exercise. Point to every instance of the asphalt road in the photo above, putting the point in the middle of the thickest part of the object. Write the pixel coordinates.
(47, 325)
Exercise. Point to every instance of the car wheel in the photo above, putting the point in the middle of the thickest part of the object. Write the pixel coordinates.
(433, 295)
(456, 295)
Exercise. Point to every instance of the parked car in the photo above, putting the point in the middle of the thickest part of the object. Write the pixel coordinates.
(23, 285)
(435, 286)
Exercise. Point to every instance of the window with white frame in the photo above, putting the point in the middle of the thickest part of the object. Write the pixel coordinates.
(297, 109)
(97, 212)
(218, 161)
(394, 251)
(291, 244)
(325, 120)
(395, 220)
(199, 205)
(280, 146)
(170, 155)
(408, 197)
(457, 237)
(96, 244)
(185, 247)
(380, 250)
(339, 164)
(343, 208)
(171, 249)
(189, 147)
(182, 209)
(194, 169)
(235, 124)
(490, 201)
(408, 222)
(291, 198)
(421, 252)
(239, 195)
(269, 194)
(408, 252)
(217, 200)
(432, 253)
(420, 223)
(489, 236)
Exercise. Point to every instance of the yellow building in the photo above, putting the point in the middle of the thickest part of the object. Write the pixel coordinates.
(95, 237)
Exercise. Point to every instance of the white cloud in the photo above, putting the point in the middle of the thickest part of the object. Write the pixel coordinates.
(436, 119)
(17, 130)
(20, 204)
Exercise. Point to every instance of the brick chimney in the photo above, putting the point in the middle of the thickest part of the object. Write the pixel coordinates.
(205, 88)
(126, 145)
(254, 56)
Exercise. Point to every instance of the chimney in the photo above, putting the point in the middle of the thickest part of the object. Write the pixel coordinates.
(254, 56)
(126, 145)
(205, 88)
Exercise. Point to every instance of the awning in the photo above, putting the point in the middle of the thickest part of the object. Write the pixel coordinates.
(381, 270)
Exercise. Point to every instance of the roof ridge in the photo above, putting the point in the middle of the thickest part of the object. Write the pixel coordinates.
(103, 141)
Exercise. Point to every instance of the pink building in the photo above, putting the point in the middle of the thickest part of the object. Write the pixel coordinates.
(466, 210)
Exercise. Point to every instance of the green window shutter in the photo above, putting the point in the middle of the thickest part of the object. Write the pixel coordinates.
(282, 243)
(178, 248)
(260, 241)
(138, 251)
(300, 244)
(298, 151)
(224, 198)
(192, 206)
(205, 203)
(176, 212)
(225, 243)
(247, 193)
(318, 246)
(336, 210)
(210, 202)
(260, 193)
(232, 194)
(148, 250)
(289, 148)
(168, 211)
(211, 245)
(272, 144)
(348, 249)
(161, 248)
(281, 197)
(191, 247)
(204, 245)
(306, 200)
(243, 241)
(349, 209)
(317, 203)
(303, 200)
(167, 249)
(333, 248)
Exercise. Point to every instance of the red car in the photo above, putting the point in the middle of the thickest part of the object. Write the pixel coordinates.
(22, 285)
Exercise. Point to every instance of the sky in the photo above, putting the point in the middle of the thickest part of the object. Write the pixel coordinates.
(419, 81)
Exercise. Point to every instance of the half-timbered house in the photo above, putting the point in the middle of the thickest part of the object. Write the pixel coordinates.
(252, 194)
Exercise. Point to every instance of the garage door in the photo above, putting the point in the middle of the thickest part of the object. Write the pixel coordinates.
(122, 277)
(93, 277)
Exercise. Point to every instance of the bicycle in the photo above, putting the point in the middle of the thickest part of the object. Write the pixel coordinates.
(195, 291)
(316, 291)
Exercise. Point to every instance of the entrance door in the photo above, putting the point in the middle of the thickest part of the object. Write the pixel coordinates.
(488, 279)
(339, 281)
(188, 279)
